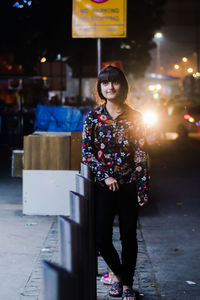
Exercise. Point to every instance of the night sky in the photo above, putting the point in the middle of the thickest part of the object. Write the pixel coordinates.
(181, 35)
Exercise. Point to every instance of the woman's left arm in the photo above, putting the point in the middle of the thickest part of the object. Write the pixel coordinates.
(141, 162)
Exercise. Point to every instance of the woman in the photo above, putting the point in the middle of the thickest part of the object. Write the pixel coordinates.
(114, 149)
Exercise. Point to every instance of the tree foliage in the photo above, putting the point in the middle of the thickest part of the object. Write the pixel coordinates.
(44, 29)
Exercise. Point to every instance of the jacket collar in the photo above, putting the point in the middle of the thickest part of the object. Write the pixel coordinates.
(104, 111)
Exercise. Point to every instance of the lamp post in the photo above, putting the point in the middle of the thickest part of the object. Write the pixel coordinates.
(158, 36)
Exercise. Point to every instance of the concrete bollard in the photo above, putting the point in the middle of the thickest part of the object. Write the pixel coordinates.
(86, 172)
(85, 187)
(79, 213)
(59, 284)
(73, 253)
(78, 208)
(77, 247)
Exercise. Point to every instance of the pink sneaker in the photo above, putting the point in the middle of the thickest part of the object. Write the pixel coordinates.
(108, 278)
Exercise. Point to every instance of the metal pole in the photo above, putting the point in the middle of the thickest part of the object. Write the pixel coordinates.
(158, 57)
(197, 46)
(98, 55)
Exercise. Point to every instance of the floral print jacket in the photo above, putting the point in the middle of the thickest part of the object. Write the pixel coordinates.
(116, 148)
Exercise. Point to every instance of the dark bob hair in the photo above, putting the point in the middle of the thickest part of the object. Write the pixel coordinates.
(113, 74)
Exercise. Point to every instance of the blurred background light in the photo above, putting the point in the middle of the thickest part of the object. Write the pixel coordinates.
(158, 86)
(22, 5)
(191, 120)
(196, 75)
(158, 35)
(184, 59)
(151, 87)
(43, 59)
(150, 117)
(156, 96)
(190, 70)
(176, 67)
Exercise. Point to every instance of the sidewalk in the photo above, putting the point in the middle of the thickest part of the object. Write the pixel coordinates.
(27, 240)
(24, 239)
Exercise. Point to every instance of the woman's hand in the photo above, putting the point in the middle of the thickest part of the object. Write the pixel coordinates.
(142, 203)
(112, 184)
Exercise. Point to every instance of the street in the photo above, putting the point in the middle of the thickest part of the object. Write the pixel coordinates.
(170, 222)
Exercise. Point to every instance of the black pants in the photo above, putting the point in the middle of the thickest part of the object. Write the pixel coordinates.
(108, 204)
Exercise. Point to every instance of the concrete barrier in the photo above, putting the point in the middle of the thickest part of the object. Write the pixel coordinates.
(77, 245)
(59, 284)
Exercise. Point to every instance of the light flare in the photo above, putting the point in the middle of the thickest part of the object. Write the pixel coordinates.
(150, 118)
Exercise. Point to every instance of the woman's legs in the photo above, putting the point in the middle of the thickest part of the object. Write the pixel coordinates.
(128, 215)
(125, 201)
(106, 204)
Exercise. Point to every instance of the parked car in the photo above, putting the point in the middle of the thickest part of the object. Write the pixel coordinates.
(182, 119)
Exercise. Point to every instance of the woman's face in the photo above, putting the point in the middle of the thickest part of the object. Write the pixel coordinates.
(111, 89)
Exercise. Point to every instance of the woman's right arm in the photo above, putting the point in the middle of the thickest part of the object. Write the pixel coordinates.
(88, 152)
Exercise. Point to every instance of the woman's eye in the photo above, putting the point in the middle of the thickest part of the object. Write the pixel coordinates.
(105, 82)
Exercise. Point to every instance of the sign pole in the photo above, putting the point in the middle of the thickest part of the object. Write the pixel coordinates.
(99, 19)
(98, 56)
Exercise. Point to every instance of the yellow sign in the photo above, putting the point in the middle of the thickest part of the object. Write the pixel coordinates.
(99, 18)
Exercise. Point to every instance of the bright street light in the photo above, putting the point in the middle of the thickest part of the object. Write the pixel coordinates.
(158, 35)
(176, 67)
(184, 59)
(190, 70)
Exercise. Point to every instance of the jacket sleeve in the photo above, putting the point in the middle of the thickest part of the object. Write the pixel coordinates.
(88, 150)
(141, 162)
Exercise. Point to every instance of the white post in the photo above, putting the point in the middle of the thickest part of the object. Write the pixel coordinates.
(98, 55)
(158, 57)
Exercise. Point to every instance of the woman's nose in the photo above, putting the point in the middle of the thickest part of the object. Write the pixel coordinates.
(110, 84)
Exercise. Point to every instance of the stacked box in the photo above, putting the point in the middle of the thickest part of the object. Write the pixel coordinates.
(51, 162)
(17, 163)
(52, 151)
